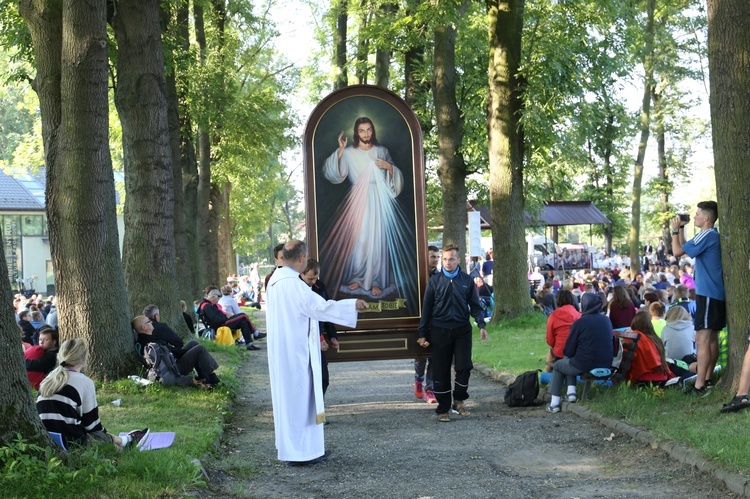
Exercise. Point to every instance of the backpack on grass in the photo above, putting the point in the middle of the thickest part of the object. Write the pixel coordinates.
(524, 390)
(162, 366)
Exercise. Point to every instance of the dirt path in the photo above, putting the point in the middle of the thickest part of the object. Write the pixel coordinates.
(386, 443)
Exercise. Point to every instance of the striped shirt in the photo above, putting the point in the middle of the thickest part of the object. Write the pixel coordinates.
(73, 410)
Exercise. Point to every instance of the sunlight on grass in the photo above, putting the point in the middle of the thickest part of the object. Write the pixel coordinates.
(514, 346)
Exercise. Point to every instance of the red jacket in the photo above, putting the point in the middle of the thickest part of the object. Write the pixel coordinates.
(558, 328)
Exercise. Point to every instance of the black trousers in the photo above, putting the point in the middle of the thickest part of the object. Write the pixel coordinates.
(449, 345)
(195, 356)
(242, 322)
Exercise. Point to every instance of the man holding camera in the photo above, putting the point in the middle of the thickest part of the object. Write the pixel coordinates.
(710, 316)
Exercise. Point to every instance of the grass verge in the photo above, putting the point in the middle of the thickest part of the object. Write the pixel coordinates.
(518, 345)
(196, 417)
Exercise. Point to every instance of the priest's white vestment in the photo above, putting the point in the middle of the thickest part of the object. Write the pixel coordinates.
(294, 310)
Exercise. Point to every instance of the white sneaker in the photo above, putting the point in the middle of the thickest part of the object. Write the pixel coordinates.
(553, 408)
(571, 398)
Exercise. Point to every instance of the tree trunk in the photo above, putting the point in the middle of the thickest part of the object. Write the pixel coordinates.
(141, 100)
(80, 196)
(18, 413)
(450, 130)
(340, 79)
(664, 186)
(648, 67)
(227, 258)
(203, 197)
(214, 216)
(188, 161)
(416, 87)
(363, 46)
(505, 19)
(183, 264)
(729, 67)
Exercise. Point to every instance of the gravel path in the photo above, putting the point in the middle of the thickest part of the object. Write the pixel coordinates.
(386, 443)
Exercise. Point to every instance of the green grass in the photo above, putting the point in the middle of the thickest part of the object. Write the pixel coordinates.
(196, 416)
(518, 345)
(514, 346)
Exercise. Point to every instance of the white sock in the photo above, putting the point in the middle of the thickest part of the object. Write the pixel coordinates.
(555, 400)
(572, 390)
(126, 440)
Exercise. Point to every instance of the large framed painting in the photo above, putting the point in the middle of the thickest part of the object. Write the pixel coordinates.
(364, 195)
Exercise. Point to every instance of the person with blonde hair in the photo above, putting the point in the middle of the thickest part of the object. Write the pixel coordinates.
(678, 336)
(67, 402)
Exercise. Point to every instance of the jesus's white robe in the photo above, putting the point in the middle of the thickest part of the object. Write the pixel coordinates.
(294, 310)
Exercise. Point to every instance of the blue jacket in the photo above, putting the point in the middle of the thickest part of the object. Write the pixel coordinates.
(589, 344)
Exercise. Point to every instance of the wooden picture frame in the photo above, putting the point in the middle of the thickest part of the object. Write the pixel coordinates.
(365, 204)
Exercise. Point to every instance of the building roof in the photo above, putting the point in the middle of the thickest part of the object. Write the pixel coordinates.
(556, 213)
(553, 213)
(22, 192)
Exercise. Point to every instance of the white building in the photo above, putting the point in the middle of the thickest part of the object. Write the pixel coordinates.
(23, 221)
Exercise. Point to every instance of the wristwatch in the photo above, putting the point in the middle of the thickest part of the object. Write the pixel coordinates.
(675, 232)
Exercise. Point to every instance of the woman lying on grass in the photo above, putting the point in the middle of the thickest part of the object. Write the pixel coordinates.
(67, 402)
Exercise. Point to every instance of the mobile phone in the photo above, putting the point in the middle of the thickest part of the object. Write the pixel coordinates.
(684, 217)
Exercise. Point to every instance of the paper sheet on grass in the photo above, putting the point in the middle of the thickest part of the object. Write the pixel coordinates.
(156, 440)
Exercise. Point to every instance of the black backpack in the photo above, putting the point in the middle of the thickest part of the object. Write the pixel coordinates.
(524, 390)
(162, 366)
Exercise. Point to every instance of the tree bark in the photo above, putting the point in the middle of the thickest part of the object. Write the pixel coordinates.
(450, 131)
(203, 227)
(340, 79)
(80, 196)
(188, 161)
(227, 258)
(18, 412)
(729, 67)
(648, 67)
(141, 100)
(416, 87)
(183, 264)
(363, 46)
(505, 20)
(663, 176)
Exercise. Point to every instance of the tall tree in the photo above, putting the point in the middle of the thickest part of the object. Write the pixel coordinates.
(506, 153)
(70, 47)
(19, 413)
(648, 88)
(340, 78)
(450, 131)
(729, 69)
(141, 100)
(171, 31)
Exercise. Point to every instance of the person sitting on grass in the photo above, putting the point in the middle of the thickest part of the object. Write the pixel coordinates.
(42, 358)
(558, 325)
(214, 317)
(589, 346)
(740, 400)
(678, 336)
(649, 363)
(657, 312)
(189, 356)
(621, 309)
(67, 402)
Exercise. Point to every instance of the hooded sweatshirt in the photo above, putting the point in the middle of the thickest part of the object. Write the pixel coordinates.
(558, 328)
(679, 339)
(589, 344)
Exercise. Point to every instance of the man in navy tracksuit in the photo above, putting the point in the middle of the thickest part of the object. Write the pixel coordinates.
(449, 300)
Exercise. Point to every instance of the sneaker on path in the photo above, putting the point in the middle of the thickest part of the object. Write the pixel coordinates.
(571, 398)
(553, 408)
(430, 396)
(418, 389)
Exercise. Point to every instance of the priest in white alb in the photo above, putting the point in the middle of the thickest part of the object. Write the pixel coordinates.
(294, 356)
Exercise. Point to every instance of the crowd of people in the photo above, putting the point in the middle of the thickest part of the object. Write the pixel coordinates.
(676, 310)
